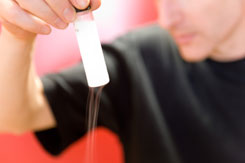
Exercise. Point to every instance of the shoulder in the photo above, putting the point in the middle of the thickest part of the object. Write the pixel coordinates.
(145, 36)
(151, 44)
(151, 39)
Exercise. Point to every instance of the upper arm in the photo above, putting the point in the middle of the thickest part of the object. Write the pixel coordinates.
(41, 115)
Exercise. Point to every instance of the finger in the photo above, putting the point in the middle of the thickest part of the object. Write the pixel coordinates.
(41, 10)
(83, 4)
(95, 4)
(18, 17)
(17, 31)
(63, 8)
(80, 4)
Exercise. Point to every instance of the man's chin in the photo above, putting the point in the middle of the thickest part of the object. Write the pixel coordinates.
(193, 55)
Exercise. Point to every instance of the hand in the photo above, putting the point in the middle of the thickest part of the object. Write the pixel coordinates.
(26, 18)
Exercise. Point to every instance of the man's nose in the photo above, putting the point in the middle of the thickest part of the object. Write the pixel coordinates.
(170, 13)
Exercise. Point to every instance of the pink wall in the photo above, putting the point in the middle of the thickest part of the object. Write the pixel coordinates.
(60, 50)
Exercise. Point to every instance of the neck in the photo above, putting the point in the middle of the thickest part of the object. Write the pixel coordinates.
(232, 48)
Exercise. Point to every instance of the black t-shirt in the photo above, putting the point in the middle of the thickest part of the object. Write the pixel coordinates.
(163, 109)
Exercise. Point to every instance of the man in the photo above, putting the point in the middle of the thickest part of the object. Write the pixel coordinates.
(166, 104)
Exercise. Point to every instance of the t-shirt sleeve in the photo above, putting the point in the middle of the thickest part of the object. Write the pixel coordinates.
(67, 94)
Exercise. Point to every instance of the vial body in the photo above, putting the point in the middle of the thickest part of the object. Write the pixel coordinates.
(90, 49)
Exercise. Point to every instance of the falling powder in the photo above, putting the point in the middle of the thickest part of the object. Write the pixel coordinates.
(92, 117)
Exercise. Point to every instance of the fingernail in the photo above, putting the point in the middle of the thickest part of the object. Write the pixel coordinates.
(82, 3)
(59, 23)
(69, 14)
(45, 30)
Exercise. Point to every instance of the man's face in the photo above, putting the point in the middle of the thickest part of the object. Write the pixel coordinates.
(200, 27)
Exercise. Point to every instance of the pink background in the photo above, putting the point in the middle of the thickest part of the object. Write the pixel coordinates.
(60, 50)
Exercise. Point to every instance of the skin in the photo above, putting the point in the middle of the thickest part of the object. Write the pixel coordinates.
(205, 28)
(202, 29)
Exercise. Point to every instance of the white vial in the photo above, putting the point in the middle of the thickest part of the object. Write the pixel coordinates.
(90, 49)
